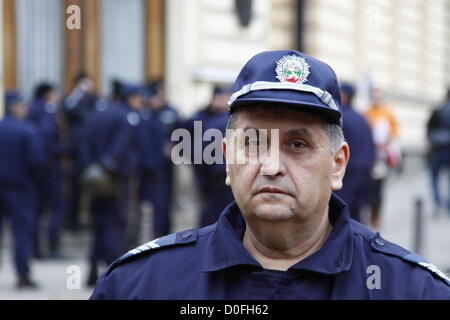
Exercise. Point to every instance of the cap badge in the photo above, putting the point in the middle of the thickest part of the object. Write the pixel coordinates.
(292, 69)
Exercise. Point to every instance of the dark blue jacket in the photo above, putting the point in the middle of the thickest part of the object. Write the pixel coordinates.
(168, 118)
(212, 263)
(206, 174)
(43, 116)
(78, 108)
(151, 138)
(438, 129)
(21, 153)
(111, 140)
(358, 135)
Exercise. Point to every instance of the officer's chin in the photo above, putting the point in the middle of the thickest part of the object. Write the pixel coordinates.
(273, 211)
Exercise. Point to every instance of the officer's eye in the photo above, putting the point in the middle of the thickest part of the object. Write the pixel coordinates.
(297, 145)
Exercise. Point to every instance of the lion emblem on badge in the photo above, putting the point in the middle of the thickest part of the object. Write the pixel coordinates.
(292, 69)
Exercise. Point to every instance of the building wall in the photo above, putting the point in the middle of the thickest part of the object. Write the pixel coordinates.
(402, 45)
(207, 45)
(122, 42)
(283, 17)
(40, 44)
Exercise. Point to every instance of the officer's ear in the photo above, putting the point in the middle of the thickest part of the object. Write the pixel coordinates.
(340, 161)
(224, 147)
(224, 150)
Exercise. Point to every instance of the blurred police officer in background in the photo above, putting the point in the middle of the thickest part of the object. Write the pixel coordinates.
(214, 194)
(357, 133)
(43, 113)
(287, 236)
(153, 141)
(438, 134)
(21, 158)
(169, 120)
(111, 160)
(78, 107)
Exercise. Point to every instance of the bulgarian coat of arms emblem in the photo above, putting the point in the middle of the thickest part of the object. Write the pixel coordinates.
(292, 69)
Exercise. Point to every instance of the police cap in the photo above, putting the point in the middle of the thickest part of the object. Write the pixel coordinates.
(348, 89)
(11, 98)
(222, 90)
(291, 78)
(130, 89)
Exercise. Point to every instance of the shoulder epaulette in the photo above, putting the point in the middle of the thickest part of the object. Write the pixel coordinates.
(415, 258)
(174, 239)
(384, 246)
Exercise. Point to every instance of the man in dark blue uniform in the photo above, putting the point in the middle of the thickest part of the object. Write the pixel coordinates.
(153, 180)
(161, 193)
(215, 195)
(438, 134)
(357, 133)
(286, 236)
(78, 107)
(21, 157)
(110, 152)
(43, 114)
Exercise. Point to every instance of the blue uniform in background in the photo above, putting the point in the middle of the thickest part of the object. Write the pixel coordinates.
(43, 116)
(212, 263)
(78, 108)
(356, 182)
(438, 134)
(210, 178)
(152, 138)
(109, 143)
(161, 192)
(21, 158)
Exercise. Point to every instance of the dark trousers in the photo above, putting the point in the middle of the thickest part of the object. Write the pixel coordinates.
(158, 190)
(162, 200)
(17, 204)
(74, 196)
(50, 199)
(110, 219)
(439, 161)
(355, 192)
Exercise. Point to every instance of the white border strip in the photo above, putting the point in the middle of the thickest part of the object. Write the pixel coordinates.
(324, 96)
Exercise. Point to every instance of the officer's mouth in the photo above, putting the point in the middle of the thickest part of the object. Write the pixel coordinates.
(272, 190)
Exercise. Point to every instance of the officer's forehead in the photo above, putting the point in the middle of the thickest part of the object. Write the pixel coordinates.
(274, 116)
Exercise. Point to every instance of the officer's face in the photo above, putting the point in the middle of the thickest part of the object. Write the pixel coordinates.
(52, 96)
(135, 102)
(298, 183)
(19, 111)
(219, 103)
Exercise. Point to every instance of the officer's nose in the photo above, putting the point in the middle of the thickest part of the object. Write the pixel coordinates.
(270, 160)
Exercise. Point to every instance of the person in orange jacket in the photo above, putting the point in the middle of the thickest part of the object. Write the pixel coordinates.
(385, 130)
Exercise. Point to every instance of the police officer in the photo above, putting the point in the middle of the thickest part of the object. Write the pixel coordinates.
(168, 118)
(43, 113)
(153, 179)
(438, 134)
(21, 157)
(78, 106)
(110, 149)
(286, 236)
(215, 195)
(357, 133)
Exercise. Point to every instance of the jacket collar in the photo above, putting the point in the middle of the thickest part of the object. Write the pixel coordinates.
(225, 248)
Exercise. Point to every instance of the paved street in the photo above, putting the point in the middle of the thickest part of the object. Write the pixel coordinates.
(56, 278)
(399, 213)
